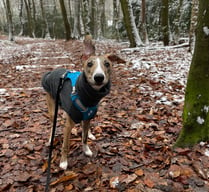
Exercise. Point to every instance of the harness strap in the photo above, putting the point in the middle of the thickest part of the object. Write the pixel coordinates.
(87, 112)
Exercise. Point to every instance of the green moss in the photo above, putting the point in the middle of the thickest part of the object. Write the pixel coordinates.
(197, 90)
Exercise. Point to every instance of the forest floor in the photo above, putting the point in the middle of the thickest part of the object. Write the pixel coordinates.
(136, 126)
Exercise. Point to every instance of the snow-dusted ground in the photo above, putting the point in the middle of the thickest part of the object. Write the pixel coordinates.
(140, 118)
(167, 66)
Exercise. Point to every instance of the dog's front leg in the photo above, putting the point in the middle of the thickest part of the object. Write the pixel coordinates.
(85, 130)
(65, 146)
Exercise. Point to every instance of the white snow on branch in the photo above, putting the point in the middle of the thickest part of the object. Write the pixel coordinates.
(200, 120)
(206, 30)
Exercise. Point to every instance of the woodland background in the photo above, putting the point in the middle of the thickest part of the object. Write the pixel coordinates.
(167, 20)
(138, 122)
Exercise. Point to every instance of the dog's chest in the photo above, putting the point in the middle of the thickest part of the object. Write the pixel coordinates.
(77, 106)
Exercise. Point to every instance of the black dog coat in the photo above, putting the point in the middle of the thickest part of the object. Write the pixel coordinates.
(84, 94)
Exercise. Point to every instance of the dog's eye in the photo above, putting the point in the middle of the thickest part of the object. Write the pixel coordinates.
(106, 64)
(89, 64)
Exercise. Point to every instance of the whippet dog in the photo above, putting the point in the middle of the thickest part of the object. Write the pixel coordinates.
(80, 94)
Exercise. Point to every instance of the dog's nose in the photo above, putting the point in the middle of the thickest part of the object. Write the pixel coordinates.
(99, 78)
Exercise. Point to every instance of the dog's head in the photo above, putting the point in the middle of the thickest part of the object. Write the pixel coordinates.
(97, 69)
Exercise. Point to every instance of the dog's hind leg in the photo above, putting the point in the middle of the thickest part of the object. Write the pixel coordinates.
(65, 145)
(85, 130)
(51, 107)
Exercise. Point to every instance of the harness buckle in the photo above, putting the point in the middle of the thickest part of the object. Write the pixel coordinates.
(73, 90)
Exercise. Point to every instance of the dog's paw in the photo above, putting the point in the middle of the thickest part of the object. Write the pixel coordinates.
(63, 165)
(91, 136)
(87, 151)
(47, 144)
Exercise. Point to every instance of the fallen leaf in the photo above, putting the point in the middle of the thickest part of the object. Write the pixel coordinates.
(149, 183)
(89, 169)
(69, 187)
(9, 122)
(114, 182)
(129, 178)
(23, 176)
(44, 166)
(70, 175)
(139, 172)
(174, 171)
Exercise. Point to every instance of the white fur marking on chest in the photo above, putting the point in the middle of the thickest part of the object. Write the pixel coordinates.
(98, 69)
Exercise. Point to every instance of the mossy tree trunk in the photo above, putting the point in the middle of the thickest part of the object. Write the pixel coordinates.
(196, 107)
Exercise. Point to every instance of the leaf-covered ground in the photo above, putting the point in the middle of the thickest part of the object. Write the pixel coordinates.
(136, 126)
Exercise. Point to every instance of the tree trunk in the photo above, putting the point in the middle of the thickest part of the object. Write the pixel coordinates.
(93, 27)
(115, 32)
(164, 20)
(33, 18)
(45, 29)
(193, 24)
(54, 34)
(65, 20)
(176, 22)
(30, 25)
(101, 19)
(9, 19)
(86, 16)
(21, 18)
(70, 15)
(77, 25)
(196, 107)
(144, 25)
(130, 25)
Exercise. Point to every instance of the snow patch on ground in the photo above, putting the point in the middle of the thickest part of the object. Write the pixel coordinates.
(167, 66)
(30, 67)
(207, 152)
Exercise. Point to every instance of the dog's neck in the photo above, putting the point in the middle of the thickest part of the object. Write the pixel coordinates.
(88, 95)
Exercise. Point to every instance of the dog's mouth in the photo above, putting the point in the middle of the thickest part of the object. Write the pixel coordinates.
(99, 83)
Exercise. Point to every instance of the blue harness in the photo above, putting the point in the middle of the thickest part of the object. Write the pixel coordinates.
(87, 112)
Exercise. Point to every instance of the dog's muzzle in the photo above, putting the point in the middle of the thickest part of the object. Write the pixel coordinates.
(99, 78)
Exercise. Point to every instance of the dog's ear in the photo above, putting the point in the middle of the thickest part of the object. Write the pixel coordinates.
(88, 47)
(115, 58)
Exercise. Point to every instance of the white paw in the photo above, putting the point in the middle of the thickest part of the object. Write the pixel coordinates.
(63, 165)
(47, 144)
(87, 151)
(91, 136)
